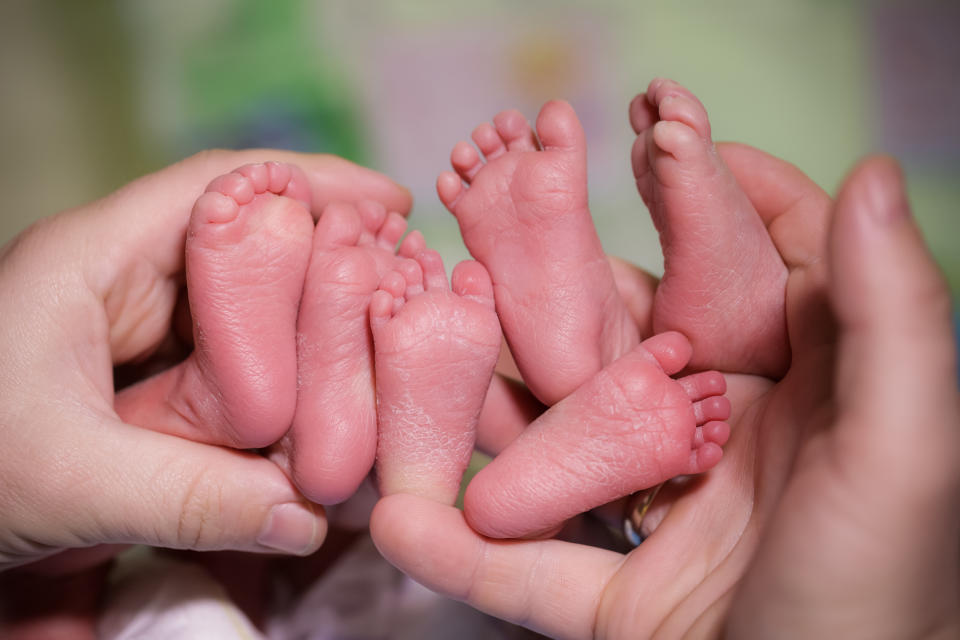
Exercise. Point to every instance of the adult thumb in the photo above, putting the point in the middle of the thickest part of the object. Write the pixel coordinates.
(898, 366)
(114, 483)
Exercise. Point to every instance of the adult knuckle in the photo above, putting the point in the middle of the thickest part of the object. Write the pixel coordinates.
(200, 509)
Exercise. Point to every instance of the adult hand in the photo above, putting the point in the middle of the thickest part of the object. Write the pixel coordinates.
(848, 486)
(864, 541)
(96, 287)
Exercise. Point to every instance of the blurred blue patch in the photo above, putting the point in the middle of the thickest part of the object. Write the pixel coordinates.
(259, 80)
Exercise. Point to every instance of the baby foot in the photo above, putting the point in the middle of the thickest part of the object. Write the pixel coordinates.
(629, 427)
(248, 245)
(331, 445)
(436, 348)
(524, 216)
(724, 281)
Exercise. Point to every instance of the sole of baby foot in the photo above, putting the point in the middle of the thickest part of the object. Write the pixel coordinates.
(436, 346)
(628, 428)
(248, 245)
(724, 281)
(523, 213)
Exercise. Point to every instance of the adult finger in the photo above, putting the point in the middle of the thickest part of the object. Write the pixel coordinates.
(797, 214)
(550, 586)
(895, 311)
(795, 210)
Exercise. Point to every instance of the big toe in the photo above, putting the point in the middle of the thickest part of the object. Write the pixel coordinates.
(339, 226)
(559, 127)
(642, 113)
(470, 279)
(298, 185)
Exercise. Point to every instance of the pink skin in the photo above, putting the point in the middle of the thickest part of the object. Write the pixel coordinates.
(436, 348)
(630, 427)
(330, 447)
(247, 249)
(523, 214)
(724, 282)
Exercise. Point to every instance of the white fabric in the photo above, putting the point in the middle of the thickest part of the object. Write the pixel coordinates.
(152, 597)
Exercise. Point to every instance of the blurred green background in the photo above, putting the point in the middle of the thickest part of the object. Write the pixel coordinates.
(97, 93)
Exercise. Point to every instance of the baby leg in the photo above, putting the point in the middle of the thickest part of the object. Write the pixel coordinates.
(436, 348)
(523, 214)
(724, 281)
(630, 427)
(330, 447)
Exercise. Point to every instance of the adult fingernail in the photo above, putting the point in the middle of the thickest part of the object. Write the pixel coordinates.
(290, 528)
(886, 192)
